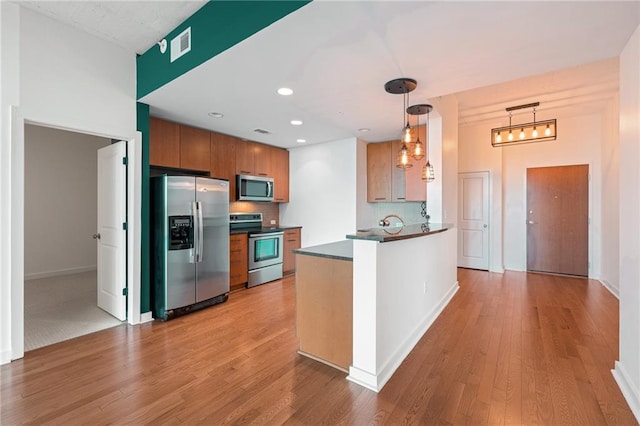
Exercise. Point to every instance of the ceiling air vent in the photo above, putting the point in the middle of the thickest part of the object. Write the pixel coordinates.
(181, 44)
(262, 131)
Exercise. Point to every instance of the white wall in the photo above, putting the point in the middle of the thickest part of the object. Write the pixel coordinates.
(627, 370)
(475, 153)
(74, 80)
(322, 191)
(393, 307)
(579, 142)
(582, 139)
(60, 201)
(9, 95)
(61, 77)
(447, 164)
(610, 201)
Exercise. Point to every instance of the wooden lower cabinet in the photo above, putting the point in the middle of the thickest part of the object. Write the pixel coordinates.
(324, 310)
(292, 241)
(238, 261)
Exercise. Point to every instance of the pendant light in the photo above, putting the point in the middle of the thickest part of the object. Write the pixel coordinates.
(428, 172)
(404, 155)
(403, 86)
(417, 149)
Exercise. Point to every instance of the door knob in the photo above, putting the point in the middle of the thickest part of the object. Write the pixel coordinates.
(484, 226)
(532, 222)
(96, 236)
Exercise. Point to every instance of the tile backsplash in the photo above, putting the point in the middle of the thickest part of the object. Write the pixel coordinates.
(270, 211)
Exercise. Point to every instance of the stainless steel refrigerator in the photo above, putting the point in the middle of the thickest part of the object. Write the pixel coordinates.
(190, 243)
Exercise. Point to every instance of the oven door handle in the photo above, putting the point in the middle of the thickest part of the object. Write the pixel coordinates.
(266, 235)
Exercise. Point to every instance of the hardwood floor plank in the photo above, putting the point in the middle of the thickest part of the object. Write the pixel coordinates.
(512, 348)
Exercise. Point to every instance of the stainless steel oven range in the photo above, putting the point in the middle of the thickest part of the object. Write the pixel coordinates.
(265, 247)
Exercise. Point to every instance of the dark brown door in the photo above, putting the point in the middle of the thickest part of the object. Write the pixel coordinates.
(558, 220)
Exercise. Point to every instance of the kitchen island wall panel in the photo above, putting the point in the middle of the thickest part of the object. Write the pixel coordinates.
(396, 301)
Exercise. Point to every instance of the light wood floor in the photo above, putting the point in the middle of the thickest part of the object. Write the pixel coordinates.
(509, 349)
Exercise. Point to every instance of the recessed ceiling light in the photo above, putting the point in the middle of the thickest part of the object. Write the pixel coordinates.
(364, 129)
(301, 140)
(285, 91)
(216, 114)
(296, 122)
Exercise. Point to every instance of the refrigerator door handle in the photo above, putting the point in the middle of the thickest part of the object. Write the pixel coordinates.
(193, 257)
(200, 232)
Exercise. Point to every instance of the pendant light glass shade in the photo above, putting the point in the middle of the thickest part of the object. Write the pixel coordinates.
(403, 159)
(428, 172)
(418, 150)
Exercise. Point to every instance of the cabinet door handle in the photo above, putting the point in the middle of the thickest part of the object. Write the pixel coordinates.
(381, 198)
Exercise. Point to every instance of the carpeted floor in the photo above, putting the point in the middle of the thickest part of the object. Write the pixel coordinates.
(61, 308)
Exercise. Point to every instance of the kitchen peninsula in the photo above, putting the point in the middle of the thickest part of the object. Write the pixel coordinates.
(363, 303)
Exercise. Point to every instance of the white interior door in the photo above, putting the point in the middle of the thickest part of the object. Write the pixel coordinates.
(111, 235)
(473, 220)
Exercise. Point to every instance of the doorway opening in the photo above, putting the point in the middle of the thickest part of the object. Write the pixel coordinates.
(558, 220)
(60, 255)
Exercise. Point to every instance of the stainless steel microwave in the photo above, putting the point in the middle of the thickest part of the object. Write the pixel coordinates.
(254, 188)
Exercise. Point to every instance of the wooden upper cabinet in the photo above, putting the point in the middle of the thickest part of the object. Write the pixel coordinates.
(244, 157)
(280, 167)
(164, 143)
(262, 165)
(388, 183)
(195, 148)
(223, 160)
(397, 174)
(379, 172)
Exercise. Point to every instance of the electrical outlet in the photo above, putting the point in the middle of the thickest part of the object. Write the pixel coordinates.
(273, 221)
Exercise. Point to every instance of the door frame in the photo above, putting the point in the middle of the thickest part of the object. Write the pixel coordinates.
(489, 203)
(16, 254)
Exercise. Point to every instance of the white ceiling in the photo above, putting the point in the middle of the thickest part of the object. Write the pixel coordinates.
(134, 25)
(337, 55)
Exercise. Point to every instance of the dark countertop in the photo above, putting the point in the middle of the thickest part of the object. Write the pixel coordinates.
(340, 250)
(387, 234)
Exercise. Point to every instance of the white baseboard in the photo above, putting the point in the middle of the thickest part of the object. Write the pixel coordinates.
(146, 317)
(629, 391)
(612, 289)
(376, 382)
(59, 272)
(363, 378)
(5, 357)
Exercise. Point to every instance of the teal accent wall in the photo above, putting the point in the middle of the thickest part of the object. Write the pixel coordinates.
(142, 112)
(217, 26)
